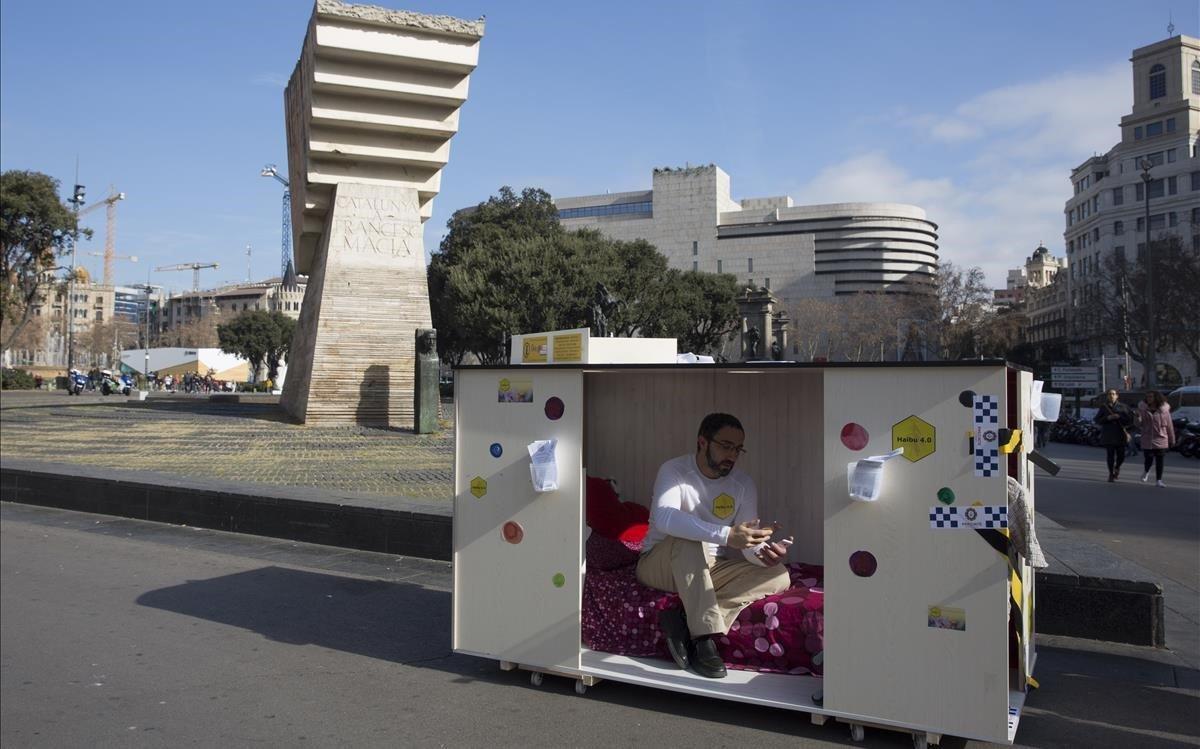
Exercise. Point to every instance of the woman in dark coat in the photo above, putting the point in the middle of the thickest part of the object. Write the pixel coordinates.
(1114, 417)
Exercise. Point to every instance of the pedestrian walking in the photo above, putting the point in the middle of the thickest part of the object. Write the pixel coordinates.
(1114, 418)
(1158, 433)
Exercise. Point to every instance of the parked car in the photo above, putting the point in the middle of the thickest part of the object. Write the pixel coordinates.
(1185, 402)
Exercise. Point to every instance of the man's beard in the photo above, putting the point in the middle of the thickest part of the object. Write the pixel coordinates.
(720, 469)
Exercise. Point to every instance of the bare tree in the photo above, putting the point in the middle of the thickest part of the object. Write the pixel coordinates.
(198, 332)
(810, 332)
(1112, 309)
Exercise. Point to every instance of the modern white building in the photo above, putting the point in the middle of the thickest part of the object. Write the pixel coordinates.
(795, 251)
(1105, 217)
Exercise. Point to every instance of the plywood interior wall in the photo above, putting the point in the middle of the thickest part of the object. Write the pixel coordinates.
(636, 420)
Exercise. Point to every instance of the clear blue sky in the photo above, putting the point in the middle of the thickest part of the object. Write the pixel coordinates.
(975, 111)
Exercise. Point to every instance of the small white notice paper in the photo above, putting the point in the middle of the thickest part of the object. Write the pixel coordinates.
(543, 471)
(864, 478)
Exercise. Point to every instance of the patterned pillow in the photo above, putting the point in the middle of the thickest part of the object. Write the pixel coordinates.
(609, 554)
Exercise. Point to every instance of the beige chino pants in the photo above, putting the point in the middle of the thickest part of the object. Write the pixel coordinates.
(713, 591)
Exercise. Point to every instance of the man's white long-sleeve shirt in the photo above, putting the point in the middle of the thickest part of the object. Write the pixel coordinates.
(687, 504)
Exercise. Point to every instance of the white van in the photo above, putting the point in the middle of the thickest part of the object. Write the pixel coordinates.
(1185, 401)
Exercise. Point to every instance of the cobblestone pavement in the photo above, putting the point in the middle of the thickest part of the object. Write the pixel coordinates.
(242, 442)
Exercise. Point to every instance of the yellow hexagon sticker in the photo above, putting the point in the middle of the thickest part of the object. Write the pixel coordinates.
(479, 486)
(723, 506)
(916, 436)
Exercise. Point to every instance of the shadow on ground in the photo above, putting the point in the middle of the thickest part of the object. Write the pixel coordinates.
(262, 411)
(1085, 699)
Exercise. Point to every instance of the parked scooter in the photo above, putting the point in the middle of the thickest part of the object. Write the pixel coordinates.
(1187, 438)
(76, 382)
(109, 384)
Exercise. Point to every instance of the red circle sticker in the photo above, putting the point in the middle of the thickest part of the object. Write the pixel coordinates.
(555, 408)
(513, 532)
(854, 436)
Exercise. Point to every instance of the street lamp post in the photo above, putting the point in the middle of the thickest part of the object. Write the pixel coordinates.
(1148, 359)
(147, 289)
(76, 201)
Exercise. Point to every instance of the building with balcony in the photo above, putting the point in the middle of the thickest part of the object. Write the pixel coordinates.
(211, 306)
(1105, 217)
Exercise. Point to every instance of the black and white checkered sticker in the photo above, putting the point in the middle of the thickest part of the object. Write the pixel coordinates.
(986, 412)
(977, 516)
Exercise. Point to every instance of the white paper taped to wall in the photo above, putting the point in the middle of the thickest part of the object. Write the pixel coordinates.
(864, 478)
(1035, 400)
(1044, 406)
(543, 470)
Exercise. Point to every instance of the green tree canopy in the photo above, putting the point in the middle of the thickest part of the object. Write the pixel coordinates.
(463, 324)
(35, 229)
(508, 267)
(699, 309)
(258, 337)
(285, 328)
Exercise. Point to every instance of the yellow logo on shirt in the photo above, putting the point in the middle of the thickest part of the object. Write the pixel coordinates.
(723, 506)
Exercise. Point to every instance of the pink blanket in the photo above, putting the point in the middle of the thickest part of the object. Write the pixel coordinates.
(782, 633)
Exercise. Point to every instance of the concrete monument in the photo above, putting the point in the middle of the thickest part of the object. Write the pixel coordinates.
(370, 110)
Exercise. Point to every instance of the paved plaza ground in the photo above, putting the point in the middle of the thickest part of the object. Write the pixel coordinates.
(250, 441)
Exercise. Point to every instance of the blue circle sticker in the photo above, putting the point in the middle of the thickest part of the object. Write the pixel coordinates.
(496, 450)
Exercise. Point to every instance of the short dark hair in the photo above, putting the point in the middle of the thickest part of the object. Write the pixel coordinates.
(715, 422)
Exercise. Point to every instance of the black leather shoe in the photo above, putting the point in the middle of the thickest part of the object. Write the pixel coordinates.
(705, 659)
(674, 628)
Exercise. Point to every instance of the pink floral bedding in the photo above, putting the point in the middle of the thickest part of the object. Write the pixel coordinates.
(782, 633)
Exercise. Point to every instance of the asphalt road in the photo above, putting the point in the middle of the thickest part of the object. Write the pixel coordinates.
(116, 632)
(1158, 529)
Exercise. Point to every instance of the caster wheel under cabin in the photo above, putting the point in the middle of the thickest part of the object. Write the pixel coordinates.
(580, 687)
(535, 678)
(857, 732)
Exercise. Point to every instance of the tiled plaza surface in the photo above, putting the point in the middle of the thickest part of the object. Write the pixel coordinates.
(250, 442)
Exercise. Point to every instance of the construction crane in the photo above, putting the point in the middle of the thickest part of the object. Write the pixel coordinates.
(193, 267)
(270, 171)
(108, 258)
(110, 229)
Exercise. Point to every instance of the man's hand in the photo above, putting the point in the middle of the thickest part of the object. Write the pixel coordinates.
(748, 534)
(772, 554)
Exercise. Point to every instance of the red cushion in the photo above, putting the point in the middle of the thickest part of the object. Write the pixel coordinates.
(610, 517)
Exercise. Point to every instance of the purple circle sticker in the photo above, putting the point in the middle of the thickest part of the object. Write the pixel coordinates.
(863, 564)
(554, 408)
(854, 436)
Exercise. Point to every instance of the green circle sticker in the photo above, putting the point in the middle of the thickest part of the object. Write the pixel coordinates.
(945, 495)
(559, 579)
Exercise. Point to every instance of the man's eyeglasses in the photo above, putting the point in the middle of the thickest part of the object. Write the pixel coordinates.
(729, 447)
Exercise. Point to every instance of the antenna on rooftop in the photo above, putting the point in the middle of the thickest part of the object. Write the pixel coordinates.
(1170, 25)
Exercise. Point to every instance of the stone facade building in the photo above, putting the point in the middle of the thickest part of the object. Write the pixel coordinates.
(44, 344)
(794, 251)
(217, 305)
(1044, 303)
(1105, 216)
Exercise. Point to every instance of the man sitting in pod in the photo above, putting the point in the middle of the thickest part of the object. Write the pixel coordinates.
(706, 543)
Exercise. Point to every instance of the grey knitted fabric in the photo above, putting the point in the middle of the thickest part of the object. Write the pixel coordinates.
(1020, 526)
